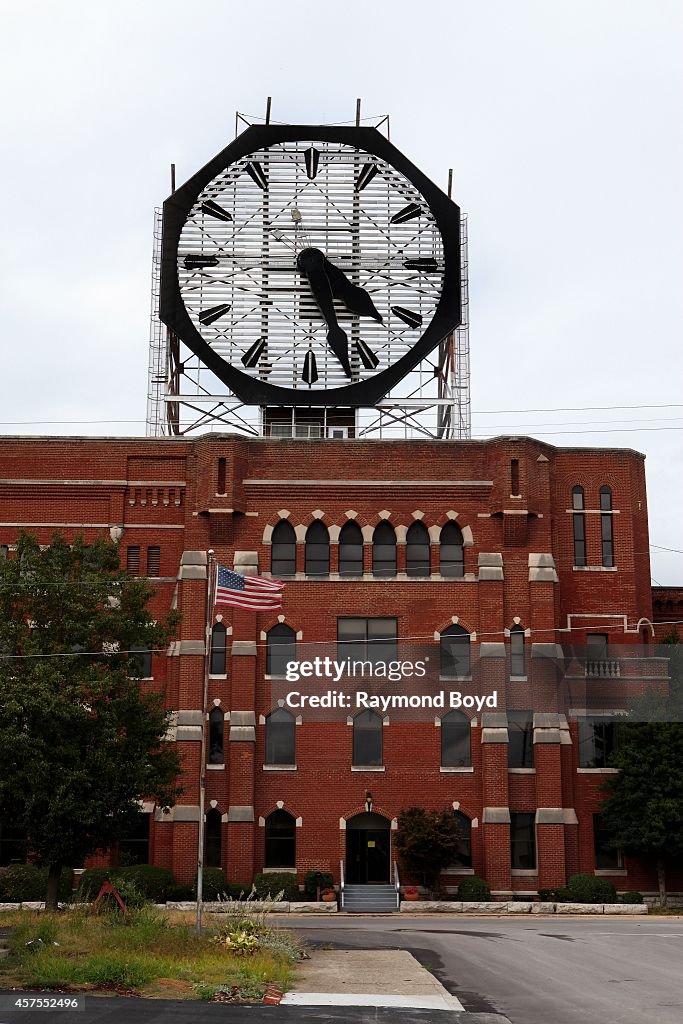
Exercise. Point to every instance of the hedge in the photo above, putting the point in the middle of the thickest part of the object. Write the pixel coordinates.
(26, 883)
(313, 879)
(152, 883)
(473, 890)
(272, 882)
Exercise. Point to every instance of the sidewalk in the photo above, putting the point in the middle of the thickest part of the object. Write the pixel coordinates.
(352, 977)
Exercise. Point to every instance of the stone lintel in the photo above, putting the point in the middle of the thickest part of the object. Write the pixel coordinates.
(496, 816)
(242, 648)
(494, 736)
(192, 572)
(242, 734)
(242, 718)
(547, 736)
(494, 720)
(491, 650)
(193, 558)
(192, 647)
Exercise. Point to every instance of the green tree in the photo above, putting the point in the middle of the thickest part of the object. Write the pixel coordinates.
(428, 842)
(81, 739)
(644, 807)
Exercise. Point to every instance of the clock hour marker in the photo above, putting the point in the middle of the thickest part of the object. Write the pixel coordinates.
(254, 353)
(408, 212)
(256, 172)
(368, 357)
(312, 158)
(367, 173)
(310, 370)
(407, 315)
(426, 264)
(214, 210)
(196, 260)
(209, 316)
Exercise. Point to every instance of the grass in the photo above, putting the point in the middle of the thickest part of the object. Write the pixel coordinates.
(153, 953)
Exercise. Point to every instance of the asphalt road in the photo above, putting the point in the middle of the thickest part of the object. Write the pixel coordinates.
(540, 971)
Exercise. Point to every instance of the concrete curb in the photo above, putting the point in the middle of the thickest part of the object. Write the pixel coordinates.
(503, 909)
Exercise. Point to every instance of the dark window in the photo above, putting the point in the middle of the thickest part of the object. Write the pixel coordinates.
(280, 738)
(456, 735)
(384, 550)
(154, 561)
(218, 638)
(579, 526)
(607, 857)
(522, 841)
(517, 652)
(317, 550)
(216, 727)
(280, 849)
(351, 550)
(417, 550)
(213, 839)
(140, 661)
(283, 550)
(598, 739)
(134, 847)
(12, 844)
(280, 648)
(133, 560)
(452, 551)
(367, 640)
(596, 646)
(607, 526)
(4, 550)
(520, 739)
(455, 653)
(220, 477)
(514, 476)
(463, 858)
(367, 740)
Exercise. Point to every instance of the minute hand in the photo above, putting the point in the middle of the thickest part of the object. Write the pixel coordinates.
(311, 262)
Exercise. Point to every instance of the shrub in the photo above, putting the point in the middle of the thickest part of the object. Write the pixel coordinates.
(272, 882)
(631, 897)
(90, 883)
(178, 893)
(313, 879)
(474, 890)
(584, 888)
(151, 883)
(26, 883)
(237, 890)
(214, 885)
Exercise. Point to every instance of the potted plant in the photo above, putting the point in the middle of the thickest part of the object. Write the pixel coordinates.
(410, 893)
(328, 895)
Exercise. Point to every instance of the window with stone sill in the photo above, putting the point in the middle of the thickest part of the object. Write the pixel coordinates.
(217, 664)
(417, 550)
(607, 857)
(216, 737)
(350, 550)
(517, 652)
(455, 658)
(280, 840)
(367, 740)
(522, 841)
(520, 739)
(456, 741)
(280, 738)
(280, 648)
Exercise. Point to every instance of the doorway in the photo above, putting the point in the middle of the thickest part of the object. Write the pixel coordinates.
(368, 850)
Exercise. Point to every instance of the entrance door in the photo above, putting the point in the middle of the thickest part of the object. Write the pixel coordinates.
(368, 850)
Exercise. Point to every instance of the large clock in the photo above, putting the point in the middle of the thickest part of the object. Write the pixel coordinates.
(310, 265)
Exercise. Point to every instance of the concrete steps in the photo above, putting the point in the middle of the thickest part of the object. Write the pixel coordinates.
(370, 899)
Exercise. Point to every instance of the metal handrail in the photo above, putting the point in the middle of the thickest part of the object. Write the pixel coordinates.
(341, 883)
(397, 883)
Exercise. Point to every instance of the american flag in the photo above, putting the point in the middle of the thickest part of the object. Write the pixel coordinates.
(256, 593)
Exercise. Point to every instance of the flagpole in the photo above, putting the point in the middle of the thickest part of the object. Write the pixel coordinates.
(202, 768)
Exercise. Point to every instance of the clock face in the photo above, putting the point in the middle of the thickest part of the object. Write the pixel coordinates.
(310, 266)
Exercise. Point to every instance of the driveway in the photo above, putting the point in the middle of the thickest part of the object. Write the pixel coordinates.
(568, 971)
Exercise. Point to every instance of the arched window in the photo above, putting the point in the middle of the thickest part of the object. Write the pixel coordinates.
(218, 635)
(456, 749)
(213, 839)
(280, 648)
(384, 550)
(280, 737)
(463, 858)
(283, 550)
(607, 526)
(216, 724)
(317, 550)
(455, 653)
(517, 652)
(417, 550)
(351, 550)
(280, 851)
(367, 740)
(451, 551)
(140, 660)
(579, 525)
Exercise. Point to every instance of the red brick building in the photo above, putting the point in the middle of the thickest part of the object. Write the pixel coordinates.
(528, 546)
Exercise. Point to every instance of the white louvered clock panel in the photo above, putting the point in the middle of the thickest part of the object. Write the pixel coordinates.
(256, 275)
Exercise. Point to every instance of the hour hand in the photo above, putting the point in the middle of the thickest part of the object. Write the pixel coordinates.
(355, 298)
(311, 262)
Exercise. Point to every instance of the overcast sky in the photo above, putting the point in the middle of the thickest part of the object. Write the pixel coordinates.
(562, 121)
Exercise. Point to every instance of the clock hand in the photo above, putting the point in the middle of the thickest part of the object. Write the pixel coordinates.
(355, 298)
(311, 262)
